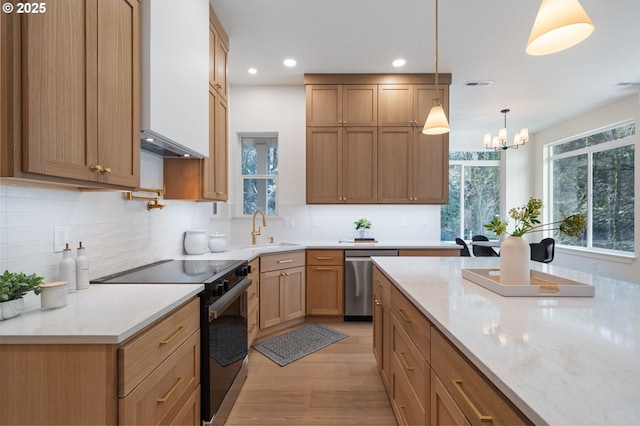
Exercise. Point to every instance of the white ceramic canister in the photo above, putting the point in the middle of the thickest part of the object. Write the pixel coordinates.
(195, 241)
(217, 243)
(53, 295)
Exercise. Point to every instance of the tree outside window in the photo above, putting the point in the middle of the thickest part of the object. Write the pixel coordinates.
(594, 175)
(259, 173)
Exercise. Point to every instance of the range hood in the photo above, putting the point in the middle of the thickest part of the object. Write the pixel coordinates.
(160, 145)
(174, 70)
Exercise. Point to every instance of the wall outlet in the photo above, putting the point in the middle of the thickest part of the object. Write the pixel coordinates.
(403, 222)
(60, 238)
(315, 222)
(289, 222)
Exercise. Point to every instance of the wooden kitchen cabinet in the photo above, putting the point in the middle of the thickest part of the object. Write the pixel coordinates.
(408, 104)
(444, 410)
(108, 383)
(342, 105)
(382, 325)
(413, 168)
(325, 282)
(282, 288)
(341, 165)
(253, 301)
(72, 94)
(207, 179)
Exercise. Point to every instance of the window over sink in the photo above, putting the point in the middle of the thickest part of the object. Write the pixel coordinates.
(259, 172)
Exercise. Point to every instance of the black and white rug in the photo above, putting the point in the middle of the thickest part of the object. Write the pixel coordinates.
(299, 343)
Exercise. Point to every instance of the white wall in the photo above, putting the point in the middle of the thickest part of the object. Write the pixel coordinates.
(620, 267)
(281, 109)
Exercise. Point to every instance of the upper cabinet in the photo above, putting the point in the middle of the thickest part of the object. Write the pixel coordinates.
(70, 94)
(365, 141)
(175, 72)
(207, 179)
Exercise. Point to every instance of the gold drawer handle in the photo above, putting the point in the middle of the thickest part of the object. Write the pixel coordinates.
(458, 386)
(285, 261)
(96, 168)
(320, 268)
(168, 394)
(324, 257)
(173, 336)
(404, 361)
(377, 302)
(403, 315)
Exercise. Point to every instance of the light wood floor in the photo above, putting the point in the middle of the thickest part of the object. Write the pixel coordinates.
(338, 385)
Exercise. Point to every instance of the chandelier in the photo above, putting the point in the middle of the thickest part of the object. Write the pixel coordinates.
(500, 141)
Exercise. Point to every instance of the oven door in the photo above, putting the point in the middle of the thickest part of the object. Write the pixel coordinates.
(224, 352)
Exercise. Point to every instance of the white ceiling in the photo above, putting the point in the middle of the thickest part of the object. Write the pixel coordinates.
(478, 40)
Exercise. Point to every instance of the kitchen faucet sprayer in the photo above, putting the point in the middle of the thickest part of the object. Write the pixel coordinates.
(254, 233)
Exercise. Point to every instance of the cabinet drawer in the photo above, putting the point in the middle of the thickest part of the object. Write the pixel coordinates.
(276, 261)
(254, 266)
(417, 327)
(252, 295)
(190, 412)
(407, 408)
(382, 284)
(159, 398)
(140, 356)
(410, 363)
(253, 326)
(478, 399)
(325, 257)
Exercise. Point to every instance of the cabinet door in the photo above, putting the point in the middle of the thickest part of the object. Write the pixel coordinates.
(377, 329)
(293, 301)
(324, 165)
(394, 165)
(324, 105)
(430, 171)
(444, 410)
(59, 114)
(215, 181)
(118, 109)
(359, 165)
(325, 290)
(270, 297)
(395, 105)
(220, 55)
(360, 105)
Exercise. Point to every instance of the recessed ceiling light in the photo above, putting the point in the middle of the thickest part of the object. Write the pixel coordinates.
(252, 71)
(399, 63)
(289, 62)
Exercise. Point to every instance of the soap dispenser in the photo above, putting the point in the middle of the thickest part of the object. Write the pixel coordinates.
(68, 269)
(82, 269)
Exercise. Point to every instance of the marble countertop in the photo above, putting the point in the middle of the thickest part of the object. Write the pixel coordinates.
(101, 314)
(561, 360)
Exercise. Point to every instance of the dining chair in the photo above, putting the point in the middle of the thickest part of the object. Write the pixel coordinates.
(543, 251)
(464, 251)
(479, 251)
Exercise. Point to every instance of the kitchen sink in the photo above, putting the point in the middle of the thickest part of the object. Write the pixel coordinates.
(267, 247)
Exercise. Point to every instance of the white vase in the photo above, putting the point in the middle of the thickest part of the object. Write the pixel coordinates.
(11, 308)
(514, 261)
(195, 241)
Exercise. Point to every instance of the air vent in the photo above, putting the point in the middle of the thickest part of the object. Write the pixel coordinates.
(478, 83)
(627, 84)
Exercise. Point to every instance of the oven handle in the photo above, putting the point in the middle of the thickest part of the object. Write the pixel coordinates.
(221, 304)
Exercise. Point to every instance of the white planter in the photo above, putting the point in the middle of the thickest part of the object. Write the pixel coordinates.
(11, 308)
(514, 261)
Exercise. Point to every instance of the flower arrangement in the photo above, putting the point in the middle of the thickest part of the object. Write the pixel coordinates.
(362, 224)
(527, 220)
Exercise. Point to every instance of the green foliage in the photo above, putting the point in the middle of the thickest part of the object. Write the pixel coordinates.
(15, 285)
(527, 220)
(362, 223)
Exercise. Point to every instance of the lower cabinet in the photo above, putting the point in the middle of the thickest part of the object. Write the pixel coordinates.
(428, 380)
(253, 301)
(325, 282)
(282, 287)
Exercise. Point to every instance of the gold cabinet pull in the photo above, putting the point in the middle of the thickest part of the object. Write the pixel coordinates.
(403, 316)
(218, 85)
(168, 394)
(324, 257)
(481, 417)
(173, 336)
(285, 261)
(377, 302)
(106, 171)
(324, 268)
(404, 362)
(97, 168)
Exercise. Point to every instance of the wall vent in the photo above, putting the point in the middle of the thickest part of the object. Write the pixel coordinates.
(627, 83)
(478, 83)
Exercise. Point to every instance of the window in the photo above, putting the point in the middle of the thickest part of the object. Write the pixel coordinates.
(259, 173)
(594, 175)
(474, 194)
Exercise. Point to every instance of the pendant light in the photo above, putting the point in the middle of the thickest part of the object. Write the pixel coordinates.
(436, 123)
(559, 25)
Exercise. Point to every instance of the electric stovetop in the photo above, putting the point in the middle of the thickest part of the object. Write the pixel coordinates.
(171, 271)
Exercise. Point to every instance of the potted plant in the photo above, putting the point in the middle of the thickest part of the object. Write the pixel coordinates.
(13, 286)
(361, 226)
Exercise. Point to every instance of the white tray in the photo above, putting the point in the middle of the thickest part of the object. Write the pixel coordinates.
(542, 284)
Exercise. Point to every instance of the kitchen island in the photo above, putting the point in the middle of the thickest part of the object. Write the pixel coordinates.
(560, 360)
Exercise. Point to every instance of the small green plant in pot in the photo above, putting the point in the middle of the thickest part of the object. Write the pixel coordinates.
(13, 286)
(362, 225)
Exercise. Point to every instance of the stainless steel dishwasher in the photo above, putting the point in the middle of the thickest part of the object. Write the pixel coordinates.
(358, 283)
